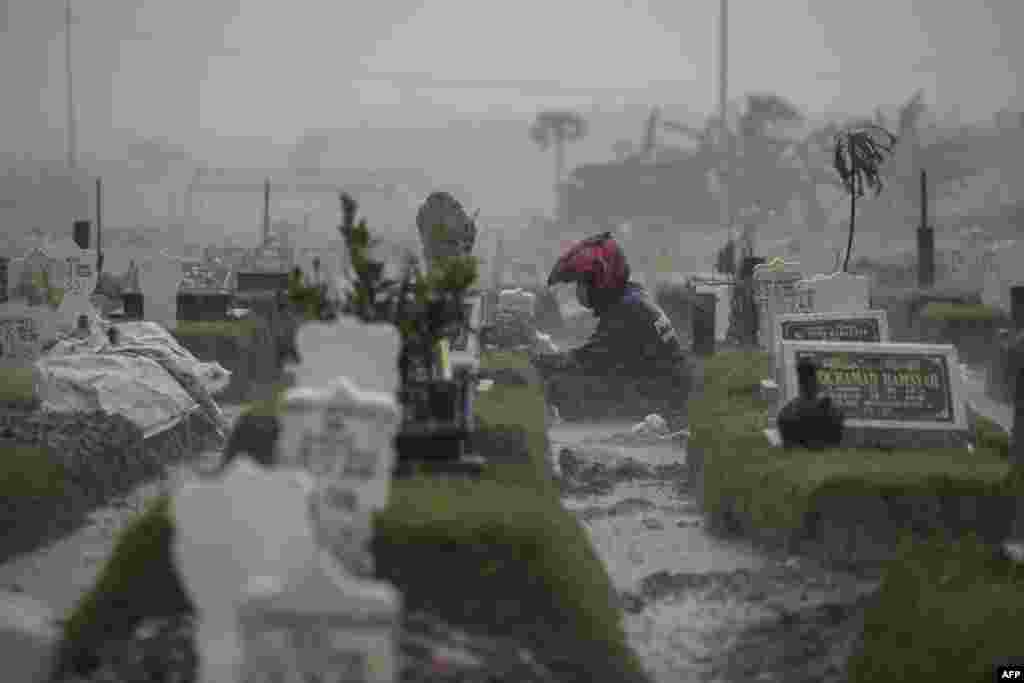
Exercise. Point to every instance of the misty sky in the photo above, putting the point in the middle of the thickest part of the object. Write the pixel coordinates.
(196, 70)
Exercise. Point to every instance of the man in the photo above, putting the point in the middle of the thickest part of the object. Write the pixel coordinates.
(634, 364)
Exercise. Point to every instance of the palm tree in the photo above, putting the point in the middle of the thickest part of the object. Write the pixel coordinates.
(554, 129)
(860, 151)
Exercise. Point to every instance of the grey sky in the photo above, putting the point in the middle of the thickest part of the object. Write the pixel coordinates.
(193, 69)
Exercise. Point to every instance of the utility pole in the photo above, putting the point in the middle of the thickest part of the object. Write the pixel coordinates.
(99, 227)
(266, 211)
(72, 133)
(723, 126)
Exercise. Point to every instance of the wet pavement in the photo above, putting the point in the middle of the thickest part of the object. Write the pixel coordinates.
(698, 607)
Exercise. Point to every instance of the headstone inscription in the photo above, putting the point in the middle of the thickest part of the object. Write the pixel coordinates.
(893, 395)
(78, 280)
(853, 326)
(24, 329)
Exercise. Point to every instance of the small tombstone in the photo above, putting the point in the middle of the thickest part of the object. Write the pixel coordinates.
(78, 279)
(774, 293)
(444, 227)
(159, 278)
(365, 353)
(226, 535)
(24, 329)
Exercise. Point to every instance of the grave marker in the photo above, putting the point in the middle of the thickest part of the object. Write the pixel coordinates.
(77, 269)
(226, 535)
(24, 330)
(444, 227)
(160, 276)
(775, 292)
(893, 395)
(852, 326)
(365, 353)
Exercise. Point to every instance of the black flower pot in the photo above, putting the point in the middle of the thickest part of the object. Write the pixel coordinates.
(435, 433)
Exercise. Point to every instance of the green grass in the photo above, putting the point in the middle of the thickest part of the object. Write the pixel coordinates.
(17, 385)
(958, 312)
(219, 328)
(28, 472)
(777, 490)
(948, 611)
(498, 555)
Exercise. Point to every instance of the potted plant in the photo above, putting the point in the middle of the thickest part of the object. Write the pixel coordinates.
(428, 309)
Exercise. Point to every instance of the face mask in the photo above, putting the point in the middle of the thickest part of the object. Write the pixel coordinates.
(583, 294)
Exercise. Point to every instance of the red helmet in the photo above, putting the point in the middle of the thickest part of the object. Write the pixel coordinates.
(597, 260)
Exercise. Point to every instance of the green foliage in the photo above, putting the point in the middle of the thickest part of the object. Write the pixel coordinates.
(17, 385)
(238, 329)
(776, 489)
(28, 472)
(948, 610)
(960, 312)
(138, 581)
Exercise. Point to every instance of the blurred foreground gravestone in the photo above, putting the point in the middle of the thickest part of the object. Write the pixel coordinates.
(227, 534)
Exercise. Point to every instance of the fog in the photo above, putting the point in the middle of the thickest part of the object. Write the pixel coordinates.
(442, 95)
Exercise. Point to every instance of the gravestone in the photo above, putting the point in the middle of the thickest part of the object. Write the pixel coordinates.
(775, 293)
(444, 227)
(839, 292)
(365, 353)
(227, 534)
(893, 395)
(324, 623)
(78, 277)
(159, 278)
(24, 330)
(321, 626)
(852, 326)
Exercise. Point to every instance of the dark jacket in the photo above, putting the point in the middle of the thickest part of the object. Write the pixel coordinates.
(633, 365)
(633, 337)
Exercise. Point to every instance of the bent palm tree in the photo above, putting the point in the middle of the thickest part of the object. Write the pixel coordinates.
(860, 151)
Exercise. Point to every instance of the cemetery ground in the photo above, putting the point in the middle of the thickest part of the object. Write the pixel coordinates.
(504, 557)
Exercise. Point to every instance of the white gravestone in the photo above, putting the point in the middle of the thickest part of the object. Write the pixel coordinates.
(776, 293)
(24, 329)
(320, 625)
(356, 460)
(340, 422)
(226, 536)
(78, 280)
(840, 292)
(365, 353)
(160, 276)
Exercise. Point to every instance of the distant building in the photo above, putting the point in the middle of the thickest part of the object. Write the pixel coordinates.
(1009, 120)
(633, 191)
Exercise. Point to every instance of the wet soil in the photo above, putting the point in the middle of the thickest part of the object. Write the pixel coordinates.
(699, 607)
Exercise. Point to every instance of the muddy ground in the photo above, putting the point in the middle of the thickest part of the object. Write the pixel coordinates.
(697, 607)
